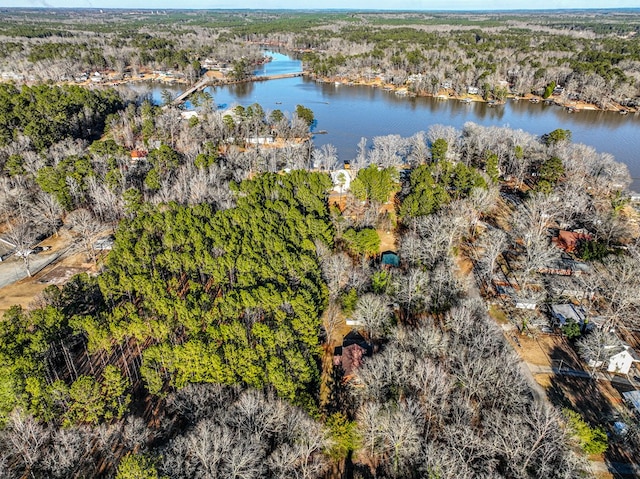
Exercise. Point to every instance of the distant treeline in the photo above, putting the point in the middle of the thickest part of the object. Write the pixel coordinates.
(592, 60)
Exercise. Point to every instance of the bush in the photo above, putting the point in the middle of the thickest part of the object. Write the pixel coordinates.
(571, 329)
(548, 91)
(591, 250)
(348, 301)
(592, 440)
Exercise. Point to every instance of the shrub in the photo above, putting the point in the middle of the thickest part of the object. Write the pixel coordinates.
(592, 440)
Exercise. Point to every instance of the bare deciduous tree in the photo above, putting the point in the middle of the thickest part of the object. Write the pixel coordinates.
(335, 269)
(597, 347)
(332, 320)
(390, 435)
(248, 435)
(66, 454)
(388, 151)
(411, 290)
(619, 284)
(46, 210)
(419, 150)
(135, 433)
(27, 438)
(325, 158)
(491, 245)
(22, 236)
(86, 225)
(374, 314)
(361, 160)
(448, 134)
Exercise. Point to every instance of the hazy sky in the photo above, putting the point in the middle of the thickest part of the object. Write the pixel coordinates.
(316, 4)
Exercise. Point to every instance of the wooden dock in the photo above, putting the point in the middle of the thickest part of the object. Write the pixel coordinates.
(204, 82)
(185, 94)
(276, 77)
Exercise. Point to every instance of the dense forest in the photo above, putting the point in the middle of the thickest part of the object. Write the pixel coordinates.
(245, 323)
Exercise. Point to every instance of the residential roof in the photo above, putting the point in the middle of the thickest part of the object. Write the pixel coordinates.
(350, 354)
(564, 312)
(138, 154)
(353, 337)
(565, 267)
(389, 258)
(352, 358)
(187, 115)
(560, 285)
(341, 180)
(630, 351)
(505, 290)
(569, 240)
(105, 243)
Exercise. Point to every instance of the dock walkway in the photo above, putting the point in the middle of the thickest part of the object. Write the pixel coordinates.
(202, 84)
(185, 94)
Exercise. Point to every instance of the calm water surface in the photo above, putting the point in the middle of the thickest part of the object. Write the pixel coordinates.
(348, 113)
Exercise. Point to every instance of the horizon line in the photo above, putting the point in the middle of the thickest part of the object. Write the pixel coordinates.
(373, 10)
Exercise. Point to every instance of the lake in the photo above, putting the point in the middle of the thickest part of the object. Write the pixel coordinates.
(348, 113)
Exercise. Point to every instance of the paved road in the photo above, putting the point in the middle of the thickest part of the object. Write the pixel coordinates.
(536, 369)
(12, 269)
(596, 466)
(537, 390)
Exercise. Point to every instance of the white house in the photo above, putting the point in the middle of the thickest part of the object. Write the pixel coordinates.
(473, 90)
(260, 140)
(522, 302)
(104, 244)
(621, 363)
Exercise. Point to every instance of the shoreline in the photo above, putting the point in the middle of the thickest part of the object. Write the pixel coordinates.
(216, 78)
(448, 94)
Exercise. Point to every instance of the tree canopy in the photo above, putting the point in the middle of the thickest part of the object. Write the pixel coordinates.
(47, 114)
(243, 290)
(437, 184)
(375, 184)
